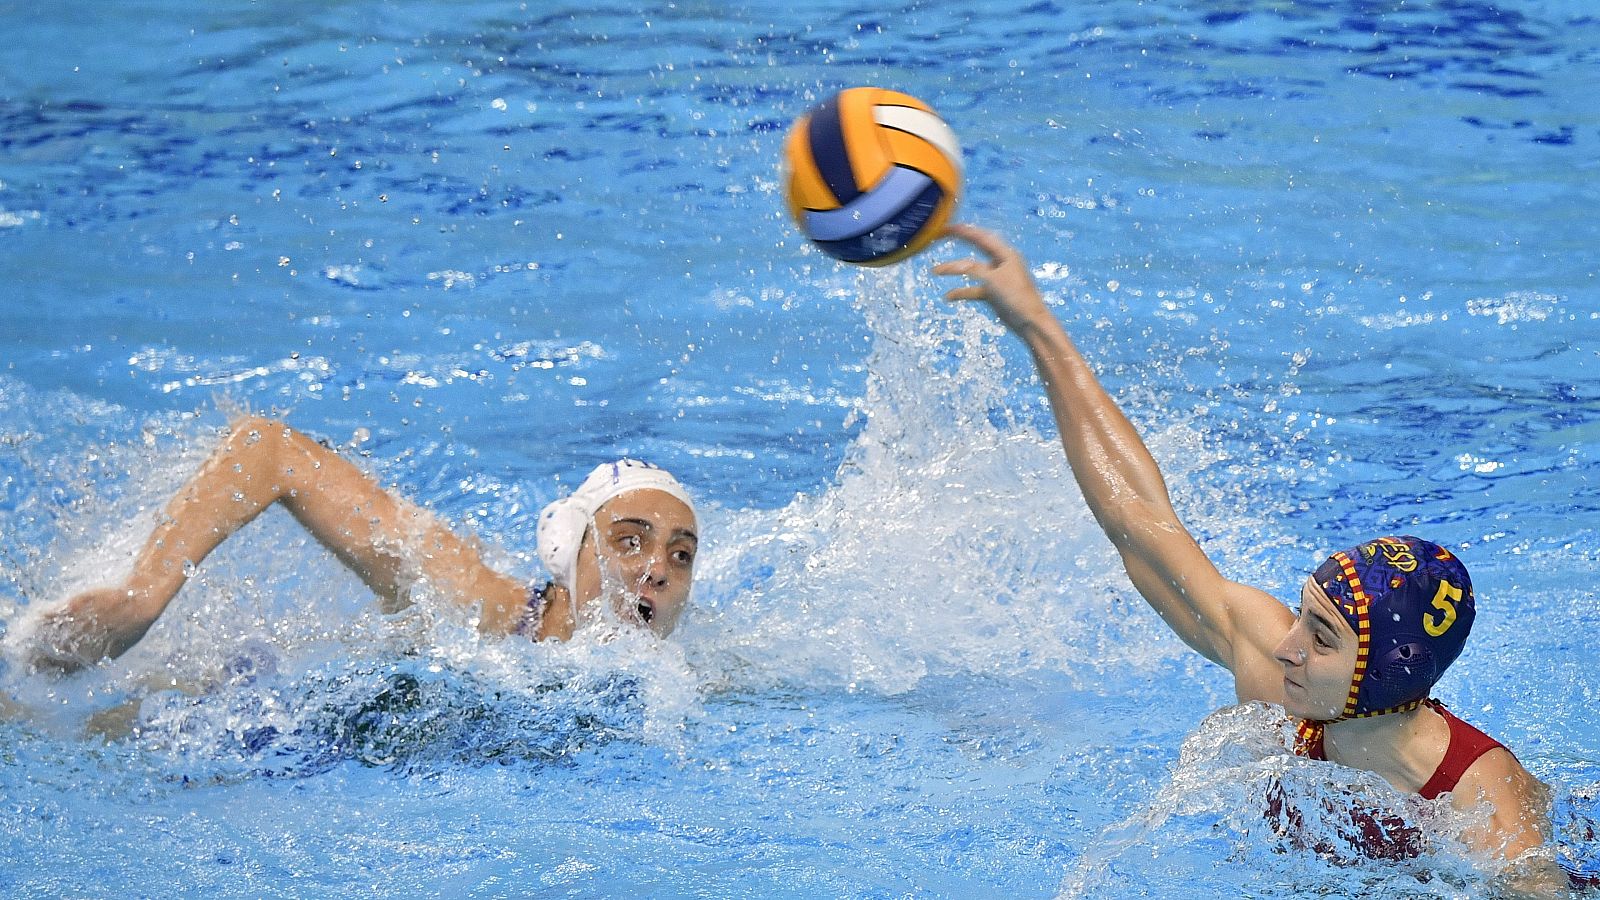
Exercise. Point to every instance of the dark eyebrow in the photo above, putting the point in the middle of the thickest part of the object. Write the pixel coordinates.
(1312, 611)
(648, 525)
(1322, 620)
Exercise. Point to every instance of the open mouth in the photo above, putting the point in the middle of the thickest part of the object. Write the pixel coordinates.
(646, 610)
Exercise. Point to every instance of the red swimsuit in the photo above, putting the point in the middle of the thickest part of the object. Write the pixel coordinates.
(1388, 837)
(1467, 744)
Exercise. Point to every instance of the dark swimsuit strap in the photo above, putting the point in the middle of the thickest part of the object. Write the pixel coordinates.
(528, 625)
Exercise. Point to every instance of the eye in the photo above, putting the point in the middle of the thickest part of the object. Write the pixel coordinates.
(1316, 638)
(683, 557)
(628, 542)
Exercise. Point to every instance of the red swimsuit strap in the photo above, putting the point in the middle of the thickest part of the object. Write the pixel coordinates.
(1467, 745)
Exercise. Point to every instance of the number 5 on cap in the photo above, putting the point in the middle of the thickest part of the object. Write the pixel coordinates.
(1445, 601)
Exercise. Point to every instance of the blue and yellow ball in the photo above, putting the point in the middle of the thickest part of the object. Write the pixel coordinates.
(873, 175)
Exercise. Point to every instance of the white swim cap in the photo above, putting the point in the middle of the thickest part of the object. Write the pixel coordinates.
(563, 523)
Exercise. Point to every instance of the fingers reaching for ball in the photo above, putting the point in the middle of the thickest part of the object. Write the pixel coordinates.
(985, 240)
(965, 268)
(1003, 278)
(1000, 255)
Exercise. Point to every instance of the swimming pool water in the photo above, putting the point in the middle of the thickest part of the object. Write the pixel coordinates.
(1336, 259)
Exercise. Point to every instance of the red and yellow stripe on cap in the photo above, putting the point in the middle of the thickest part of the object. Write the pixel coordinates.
(1359, 612)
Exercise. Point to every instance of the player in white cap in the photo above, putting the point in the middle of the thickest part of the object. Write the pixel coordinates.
(628, 536)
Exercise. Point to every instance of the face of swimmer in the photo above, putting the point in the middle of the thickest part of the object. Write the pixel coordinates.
(1318, 656)
(639, 556)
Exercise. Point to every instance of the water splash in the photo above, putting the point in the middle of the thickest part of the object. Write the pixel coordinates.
(412, 713)
(1239, 808)
(952, 539)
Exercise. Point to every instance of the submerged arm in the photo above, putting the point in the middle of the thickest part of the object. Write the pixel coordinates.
(1517, 826)
(1228, 623)
(385, 541)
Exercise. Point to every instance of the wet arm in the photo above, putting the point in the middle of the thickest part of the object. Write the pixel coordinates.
(385, 541)
(1119, 478)
(1517, 826)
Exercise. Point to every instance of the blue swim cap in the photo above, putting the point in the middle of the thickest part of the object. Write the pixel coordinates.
(1411, 606)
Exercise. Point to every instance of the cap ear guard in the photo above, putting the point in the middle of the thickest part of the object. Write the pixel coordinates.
(1392, 680)
(562, 526)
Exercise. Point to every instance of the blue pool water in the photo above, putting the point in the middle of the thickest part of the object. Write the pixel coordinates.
(1335, 257)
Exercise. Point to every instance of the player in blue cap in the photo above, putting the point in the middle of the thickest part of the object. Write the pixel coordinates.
(1377, 625)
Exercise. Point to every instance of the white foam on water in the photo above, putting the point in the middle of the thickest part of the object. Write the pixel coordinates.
(953, 538)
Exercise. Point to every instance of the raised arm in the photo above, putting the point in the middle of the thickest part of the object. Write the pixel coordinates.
(389, 543)
(1228, 623)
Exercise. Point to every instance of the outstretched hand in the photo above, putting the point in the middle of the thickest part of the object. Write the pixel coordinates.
(1003, 279)
(88, 628)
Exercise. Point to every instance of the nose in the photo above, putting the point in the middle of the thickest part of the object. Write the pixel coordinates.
(654, 570)
(1290, 651)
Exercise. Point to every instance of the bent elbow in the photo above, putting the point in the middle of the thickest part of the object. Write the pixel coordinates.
(1138, 523)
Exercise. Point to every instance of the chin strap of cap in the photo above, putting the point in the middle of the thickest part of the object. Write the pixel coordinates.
(1308, 734)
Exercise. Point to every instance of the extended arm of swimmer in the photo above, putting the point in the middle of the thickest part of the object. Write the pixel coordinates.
(384, 540)
(1231, 624)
